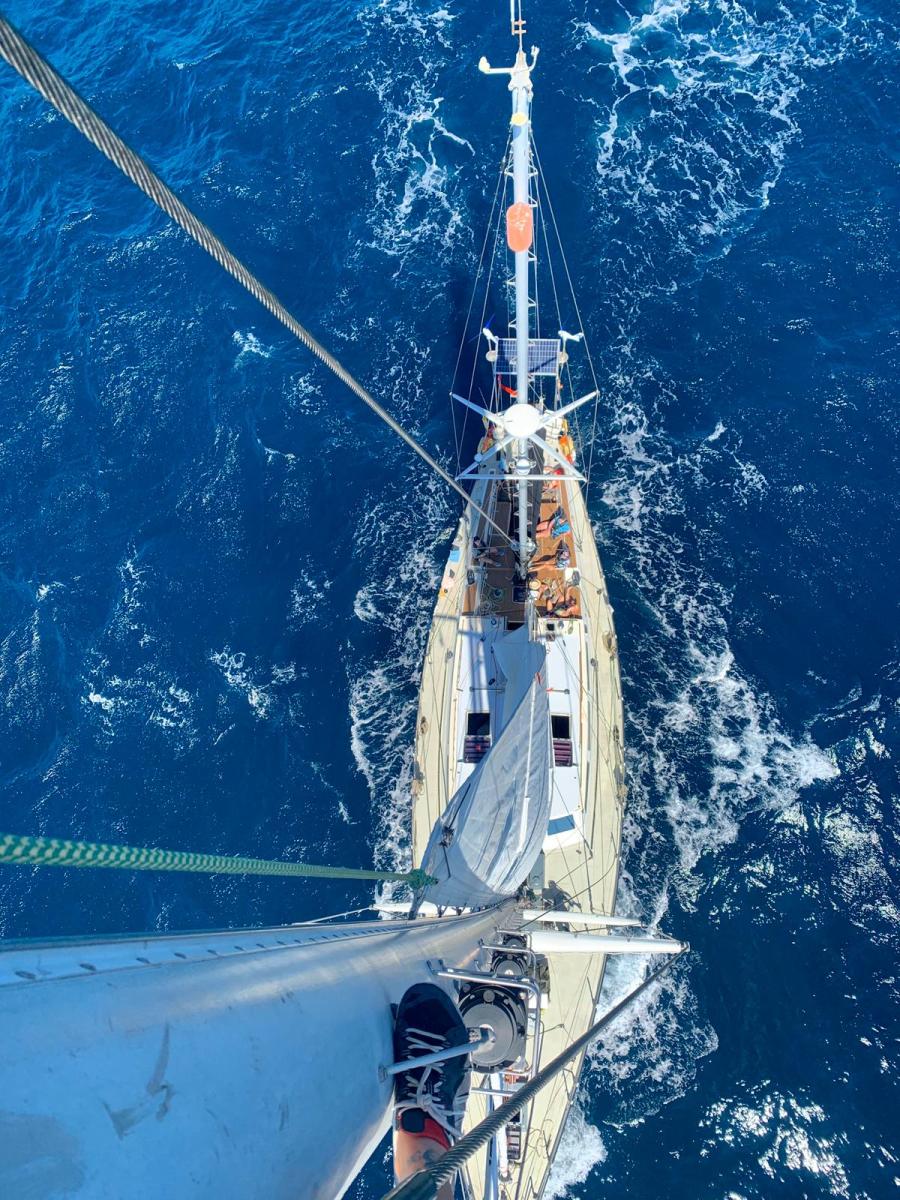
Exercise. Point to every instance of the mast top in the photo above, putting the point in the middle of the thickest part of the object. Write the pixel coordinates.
(517, 21)
(519, 73)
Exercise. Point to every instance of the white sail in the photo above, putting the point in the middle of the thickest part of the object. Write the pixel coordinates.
(520, 660)
(490, 835)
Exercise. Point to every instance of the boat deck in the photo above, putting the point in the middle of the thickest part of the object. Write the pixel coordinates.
(495, 591)
(582, 860)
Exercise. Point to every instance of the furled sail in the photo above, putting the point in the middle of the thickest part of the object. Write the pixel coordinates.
(491, 833)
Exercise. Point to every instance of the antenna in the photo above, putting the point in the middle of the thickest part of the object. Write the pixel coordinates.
(516, 20)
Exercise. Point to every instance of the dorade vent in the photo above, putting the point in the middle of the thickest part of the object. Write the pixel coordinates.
(478, 736)
(561, 730)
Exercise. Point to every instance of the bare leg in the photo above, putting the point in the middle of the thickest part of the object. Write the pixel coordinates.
(413, 1153)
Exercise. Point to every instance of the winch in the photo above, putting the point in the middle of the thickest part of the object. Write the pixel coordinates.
(503, 1011)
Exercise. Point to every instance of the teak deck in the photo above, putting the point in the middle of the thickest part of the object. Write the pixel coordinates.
(493, 591)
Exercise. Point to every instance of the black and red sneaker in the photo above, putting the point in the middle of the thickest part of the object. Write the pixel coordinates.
(430, 1101)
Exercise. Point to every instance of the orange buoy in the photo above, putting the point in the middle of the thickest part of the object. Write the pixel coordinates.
(519, 227)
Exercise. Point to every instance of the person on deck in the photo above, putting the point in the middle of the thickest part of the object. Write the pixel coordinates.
(550, 489)
(483, 554)
(555, 526)
(550, 593)
(564, 606)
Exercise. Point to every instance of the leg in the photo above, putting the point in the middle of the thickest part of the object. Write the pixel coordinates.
(413, 1153)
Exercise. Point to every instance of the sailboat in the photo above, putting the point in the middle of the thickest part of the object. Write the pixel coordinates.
(519, 751)
(260, 1062)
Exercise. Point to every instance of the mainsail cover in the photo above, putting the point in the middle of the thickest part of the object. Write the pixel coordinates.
(491, 833)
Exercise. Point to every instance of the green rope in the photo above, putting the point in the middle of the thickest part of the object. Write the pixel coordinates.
(56, 852)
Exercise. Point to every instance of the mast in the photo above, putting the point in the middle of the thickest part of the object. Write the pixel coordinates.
(520, 452)
(520, 86)
(520, 214)
(250, 1062)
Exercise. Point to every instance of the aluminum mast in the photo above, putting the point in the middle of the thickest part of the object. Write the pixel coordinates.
(239, 1063)
(522, 429)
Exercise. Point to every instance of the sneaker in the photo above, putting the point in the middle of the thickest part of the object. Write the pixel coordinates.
(430, 1100)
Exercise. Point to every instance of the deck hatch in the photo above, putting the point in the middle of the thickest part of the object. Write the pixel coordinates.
(478, 736)
(560, 825)
(561, 730)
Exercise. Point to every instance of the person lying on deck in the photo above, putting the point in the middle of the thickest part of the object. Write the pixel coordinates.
(557, 558)
(551, 594)
(555, 526)
(565, 606)
(483, 554)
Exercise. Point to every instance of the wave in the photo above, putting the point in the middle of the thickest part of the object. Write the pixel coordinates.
(417, 206)
(649, 1056)
(397, 601)
(786, 1135)
(707, 745)
(581, 1148)
(699, 112)
(851, 828)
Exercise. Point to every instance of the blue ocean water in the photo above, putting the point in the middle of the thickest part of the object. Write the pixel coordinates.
(216, 572)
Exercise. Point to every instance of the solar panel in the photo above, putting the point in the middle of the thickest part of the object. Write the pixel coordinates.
(543, 356)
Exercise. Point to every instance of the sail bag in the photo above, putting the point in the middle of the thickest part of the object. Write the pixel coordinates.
(489, 837)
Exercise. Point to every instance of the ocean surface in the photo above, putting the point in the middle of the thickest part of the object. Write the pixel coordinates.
(217, 570)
